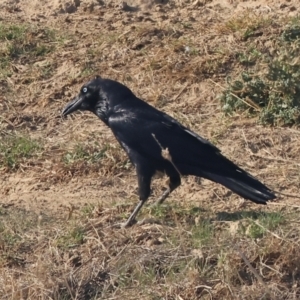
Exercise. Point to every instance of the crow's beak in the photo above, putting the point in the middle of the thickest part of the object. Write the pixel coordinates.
(72, 106)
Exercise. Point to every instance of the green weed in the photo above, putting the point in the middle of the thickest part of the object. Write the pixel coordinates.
(202, 233)
(87, 153)
(265, 222)
(24, 44)
(274, 94)
(14, 149)
(72, 238)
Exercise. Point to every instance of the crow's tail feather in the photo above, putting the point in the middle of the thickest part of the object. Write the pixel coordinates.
(244, 185)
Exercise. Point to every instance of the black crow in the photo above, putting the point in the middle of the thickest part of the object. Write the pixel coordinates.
(154, 141)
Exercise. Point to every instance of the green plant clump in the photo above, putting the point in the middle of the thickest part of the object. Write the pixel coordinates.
(23, 44)
(14, 149)
(273, 95)
(85, 153)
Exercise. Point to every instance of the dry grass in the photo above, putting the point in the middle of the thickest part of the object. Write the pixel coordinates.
(66, 183)
(193, 253)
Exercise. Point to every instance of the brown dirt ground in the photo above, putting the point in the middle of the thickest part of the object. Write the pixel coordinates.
(102, 38)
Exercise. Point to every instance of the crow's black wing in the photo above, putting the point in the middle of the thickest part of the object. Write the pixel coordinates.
(147, 131)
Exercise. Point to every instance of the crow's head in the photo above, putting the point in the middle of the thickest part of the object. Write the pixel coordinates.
(99, 96)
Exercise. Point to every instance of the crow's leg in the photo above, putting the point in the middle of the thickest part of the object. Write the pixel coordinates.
(144, 182)
(174, 182)
(131, 219)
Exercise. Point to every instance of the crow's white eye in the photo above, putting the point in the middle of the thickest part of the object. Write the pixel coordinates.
(84, 90)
